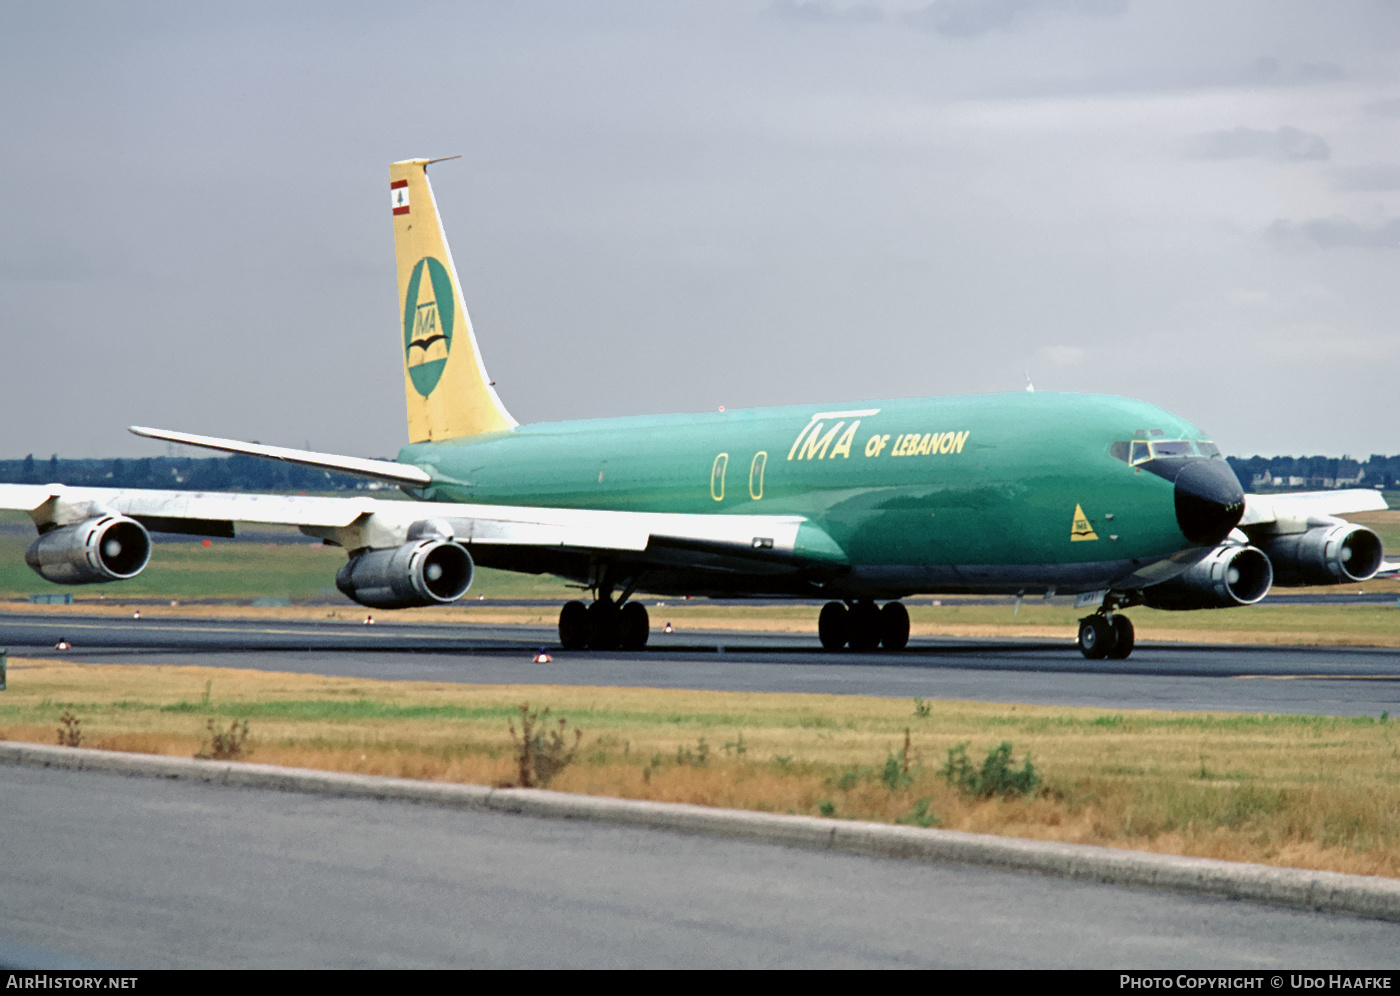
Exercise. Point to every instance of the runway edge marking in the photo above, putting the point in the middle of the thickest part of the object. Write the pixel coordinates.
(1331, 892)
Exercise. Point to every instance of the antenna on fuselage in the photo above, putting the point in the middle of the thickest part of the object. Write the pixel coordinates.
(1030, 388)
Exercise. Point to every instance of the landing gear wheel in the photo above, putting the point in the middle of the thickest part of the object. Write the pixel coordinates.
(865, 627)
(834, 625)
(602, 625)
(573, 626)
(633, 626)
(1095, 637)
(1123, 638)
(894, 626)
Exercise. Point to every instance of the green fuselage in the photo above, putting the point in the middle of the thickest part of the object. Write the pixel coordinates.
(975, 493)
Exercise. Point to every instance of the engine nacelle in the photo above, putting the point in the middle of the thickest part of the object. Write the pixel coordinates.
(1229, 576)
(106, 548)
(421, 572)
(1336, 554)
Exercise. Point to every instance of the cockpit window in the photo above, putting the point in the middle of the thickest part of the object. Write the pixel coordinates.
(1174, 448)
(1134, 452)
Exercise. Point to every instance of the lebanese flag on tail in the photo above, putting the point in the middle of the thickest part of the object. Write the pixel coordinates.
(398, 191)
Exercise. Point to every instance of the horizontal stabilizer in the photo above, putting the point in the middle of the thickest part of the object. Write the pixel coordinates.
(378, 470)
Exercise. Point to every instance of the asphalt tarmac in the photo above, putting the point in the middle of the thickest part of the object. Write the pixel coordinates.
(1311, 680)
(108, 871)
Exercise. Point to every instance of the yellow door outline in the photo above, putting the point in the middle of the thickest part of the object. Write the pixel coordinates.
(760, 460)
(717, 476)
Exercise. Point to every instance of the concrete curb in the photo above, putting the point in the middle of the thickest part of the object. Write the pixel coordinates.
(1366, 896)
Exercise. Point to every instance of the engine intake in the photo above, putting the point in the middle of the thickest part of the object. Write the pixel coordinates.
(1229, 576)
(1338, 554)
(421, 572)
(105, 548)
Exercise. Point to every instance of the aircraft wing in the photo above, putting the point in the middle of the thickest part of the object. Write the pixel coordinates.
(377, 470)
(356, 523)
(1261, 510)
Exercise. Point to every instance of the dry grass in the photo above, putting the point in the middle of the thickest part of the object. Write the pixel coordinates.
(1314, 792)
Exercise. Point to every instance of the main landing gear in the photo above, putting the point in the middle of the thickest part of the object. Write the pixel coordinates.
(1106, 635)
(604, 625)
(863, 626)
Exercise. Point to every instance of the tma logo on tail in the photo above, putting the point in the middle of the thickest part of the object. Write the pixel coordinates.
(428, 313)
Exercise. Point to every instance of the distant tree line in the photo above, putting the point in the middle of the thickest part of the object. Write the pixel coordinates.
(231, 473)
(1312, 472)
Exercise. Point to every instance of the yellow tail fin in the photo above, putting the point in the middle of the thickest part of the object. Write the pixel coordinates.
(449, 393)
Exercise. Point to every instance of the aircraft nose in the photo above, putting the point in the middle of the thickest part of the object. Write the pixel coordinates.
(1209, 500)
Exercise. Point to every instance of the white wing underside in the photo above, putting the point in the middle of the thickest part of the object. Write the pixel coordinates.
(369, 522)
(1263, 509)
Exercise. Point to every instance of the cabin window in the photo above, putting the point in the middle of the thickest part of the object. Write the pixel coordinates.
(760, 459)
(717, 476)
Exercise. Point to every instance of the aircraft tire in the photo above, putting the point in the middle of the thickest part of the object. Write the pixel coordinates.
(894, 626)
(573, 626)
(633, 626)
(865, 627)
(1123, 638)
(602, 625)
(1095, 637)
(834, 625)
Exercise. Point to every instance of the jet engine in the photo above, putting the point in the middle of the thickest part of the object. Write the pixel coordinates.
(1332, 554)
(105, 548)
(1230, 575)
(430, 571)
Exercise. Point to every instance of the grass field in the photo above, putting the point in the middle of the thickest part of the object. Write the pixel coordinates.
(1314, 792)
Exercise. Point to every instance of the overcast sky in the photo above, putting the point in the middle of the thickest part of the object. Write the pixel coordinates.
(674, 206)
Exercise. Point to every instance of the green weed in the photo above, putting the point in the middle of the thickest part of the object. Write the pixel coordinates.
(920, 815)
(699, 757)
(996, 776)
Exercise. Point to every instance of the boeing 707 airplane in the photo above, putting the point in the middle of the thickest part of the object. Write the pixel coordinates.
(863, 503)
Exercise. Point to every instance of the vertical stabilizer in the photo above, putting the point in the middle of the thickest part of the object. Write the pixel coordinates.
(449, 393)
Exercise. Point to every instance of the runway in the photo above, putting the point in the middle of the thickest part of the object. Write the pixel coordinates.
(1310, 680)
(115, 872)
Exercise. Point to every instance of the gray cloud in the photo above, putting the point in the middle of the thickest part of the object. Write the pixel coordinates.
(1385, 108)
(817, 12)
(1334, 233)
(853, 210)
(1268, 69)
(971, 18)
(1286, 144)
(1377, 176)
